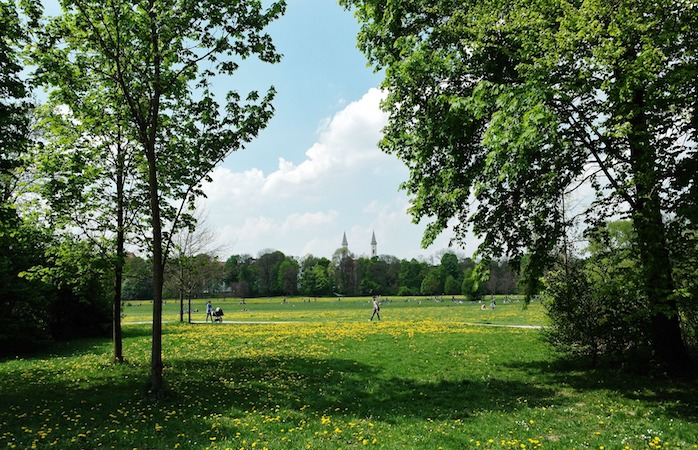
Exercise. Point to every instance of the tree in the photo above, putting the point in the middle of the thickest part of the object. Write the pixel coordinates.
(14, 102)
(499, 109)
(23, 302)
(82, 280)
(190, 261)
(412, 273)
(451, 286)
(431, 285)
(239, 274)
(267, 270)
(449, 265)
(288, 276)
(470, 286)
(159, 57)
(344, 269)
(86, 173)
(138, 279)
(314, 277)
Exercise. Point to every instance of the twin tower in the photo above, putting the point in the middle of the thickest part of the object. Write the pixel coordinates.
(374, 244)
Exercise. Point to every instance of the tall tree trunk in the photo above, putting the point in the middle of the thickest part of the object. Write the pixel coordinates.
(654, 254)
(119, 266)
(118, 277)
(156, 383)
(150, 138)
(181, 306)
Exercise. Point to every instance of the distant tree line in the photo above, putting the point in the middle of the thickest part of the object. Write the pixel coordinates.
(273, 273)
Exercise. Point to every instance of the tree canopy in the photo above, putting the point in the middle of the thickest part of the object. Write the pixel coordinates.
(153, 62)
(499, 109)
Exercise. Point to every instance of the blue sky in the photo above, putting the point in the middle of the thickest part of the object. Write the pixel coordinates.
(315, 172)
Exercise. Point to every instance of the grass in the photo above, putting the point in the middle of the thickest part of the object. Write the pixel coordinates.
(428, 376)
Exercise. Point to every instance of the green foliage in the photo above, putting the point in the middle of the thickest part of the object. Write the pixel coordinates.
(451, 286)
(82, 279)
(449, 266)
(598, 306)
(314, 277)
(472, 288)
(378, 275)
(411, 275)
(686, 276)
(14, 102)
(500, 108)
(596, 312)
(24, 302)
(431, 285)
(288, 276)
(152, 63)
(49, 288)
(138, 279)
(245, 276)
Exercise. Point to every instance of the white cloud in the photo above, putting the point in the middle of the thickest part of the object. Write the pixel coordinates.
(344, 184)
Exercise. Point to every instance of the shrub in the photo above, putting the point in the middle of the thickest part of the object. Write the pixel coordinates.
(597, 310)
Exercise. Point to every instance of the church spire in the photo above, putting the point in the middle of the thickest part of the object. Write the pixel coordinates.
(374, 245)
(345, 244)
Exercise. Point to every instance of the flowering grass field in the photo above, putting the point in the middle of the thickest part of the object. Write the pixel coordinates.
(428, 376)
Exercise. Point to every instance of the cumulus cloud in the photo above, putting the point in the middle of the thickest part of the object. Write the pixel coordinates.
(346, 141)
(343, 184)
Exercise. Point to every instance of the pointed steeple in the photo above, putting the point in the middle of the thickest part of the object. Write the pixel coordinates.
(345, 244)
(374, 245)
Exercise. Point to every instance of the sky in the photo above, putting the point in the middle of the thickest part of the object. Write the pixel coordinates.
(315, 172)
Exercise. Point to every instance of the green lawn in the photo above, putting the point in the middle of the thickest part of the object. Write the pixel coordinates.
(430, 375)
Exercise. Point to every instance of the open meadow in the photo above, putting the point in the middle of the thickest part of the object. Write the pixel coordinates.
(320, 375)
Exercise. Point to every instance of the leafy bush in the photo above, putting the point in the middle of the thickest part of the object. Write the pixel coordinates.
(24, 303)
(596, 313)
(597, 306)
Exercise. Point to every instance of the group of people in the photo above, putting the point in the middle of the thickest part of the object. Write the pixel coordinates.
(216, 315)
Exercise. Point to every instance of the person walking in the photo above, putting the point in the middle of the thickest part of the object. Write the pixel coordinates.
(209, 311)
(376, 309)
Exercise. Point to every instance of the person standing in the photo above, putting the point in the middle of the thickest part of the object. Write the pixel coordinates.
(376, 309)
(209, 311)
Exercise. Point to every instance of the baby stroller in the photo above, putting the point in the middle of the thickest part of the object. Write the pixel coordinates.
(217, 315)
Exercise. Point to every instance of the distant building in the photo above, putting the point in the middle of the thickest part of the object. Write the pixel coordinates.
(374, 244)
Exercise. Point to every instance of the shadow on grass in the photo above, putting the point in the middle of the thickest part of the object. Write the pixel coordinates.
(300, 387)
(326, 385)
(633, 383)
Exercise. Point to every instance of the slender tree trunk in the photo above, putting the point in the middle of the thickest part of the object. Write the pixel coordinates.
(119, 266)
(654, 254)
(150, 138)
(116, 322)
(156, 382)
(118, 277)
(181, 305)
